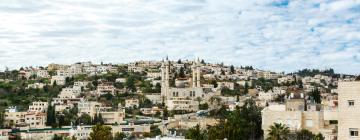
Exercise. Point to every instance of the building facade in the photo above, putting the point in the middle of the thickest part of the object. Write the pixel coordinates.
(349, 110)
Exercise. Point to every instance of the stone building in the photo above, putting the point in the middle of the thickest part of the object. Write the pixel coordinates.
(349, 110)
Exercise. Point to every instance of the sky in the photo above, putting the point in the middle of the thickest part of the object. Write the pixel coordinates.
(277, 35)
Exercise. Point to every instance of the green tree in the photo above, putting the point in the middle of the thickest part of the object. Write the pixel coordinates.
(130, 83)
(181, 73)
(195, 133)
(51, 117)
(304, 135)
(56, 137)
(246, 88)
(165, 113)
(119, 136)
(154, 131)
(307, 135)
(84, 119)
(315, 95)
(203, 106)
(98, 119)
(278, 131)
(100, 132)
(319, 137)
(213, 82)
(232, 69)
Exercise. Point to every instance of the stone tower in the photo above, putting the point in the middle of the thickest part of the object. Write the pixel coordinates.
(165, 77)
(196, 72)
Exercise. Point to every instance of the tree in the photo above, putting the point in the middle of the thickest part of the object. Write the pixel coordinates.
(195, 133)
(165, 113)
(304, 135)
(315, 95)
(181, 73)
(51, 117)
(98, 119)
(307, 135)
(56, 137)
(244, 122)
(246, 88)
(119, 136)
(130, 83)
(100, 132)
(319, 137)
(146, 103)
(232, 69)
(154, 131)
(278, 131)
(213, 82)
(61, 120)
(84, 119)
(203, 106)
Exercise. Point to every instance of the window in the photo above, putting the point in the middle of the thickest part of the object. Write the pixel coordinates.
(354, 132)
(351, 102)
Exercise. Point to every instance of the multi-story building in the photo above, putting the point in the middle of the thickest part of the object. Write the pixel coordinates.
(59, 80)
(36, 85)
(182, 104)
(349, 110)
(105, 88)
(298, 115)
(111, 116)
(88, 107)
(229, 85)
(69, 93)
(35, 119)
(14, 118)
(38, 107)
(42, 74)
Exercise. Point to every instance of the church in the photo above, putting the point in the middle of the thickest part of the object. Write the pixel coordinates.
(182, 97)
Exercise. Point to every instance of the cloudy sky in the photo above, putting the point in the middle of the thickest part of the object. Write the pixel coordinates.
(277, 35)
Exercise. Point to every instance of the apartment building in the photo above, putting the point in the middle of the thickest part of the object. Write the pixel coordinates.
(69, 92)
(297, 115)
(178, 103)
(35, 119)
(105, 88)
(59, 80)
(349, 110)
(13, 117)
(38, 106)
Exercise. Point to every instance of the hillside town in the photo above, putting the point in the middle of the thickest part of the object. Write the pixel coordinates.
(176, 99)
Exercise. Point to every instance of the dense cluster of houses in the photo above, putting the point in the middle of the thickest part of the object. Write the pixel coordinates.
(286, 102)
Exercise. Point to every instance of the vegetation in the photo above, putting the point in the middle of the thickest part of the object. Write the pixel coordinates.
(196, 133)
(278, 131)
(315, 95)
(154, 131)
(51, 118)
(242, 124)
(119, 136)
(312, 72)
(265, 84)
(203, 106)
(101, 132)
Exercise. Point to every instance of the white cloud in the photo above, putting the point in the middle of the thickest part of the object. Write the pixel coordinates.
(279, 35)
